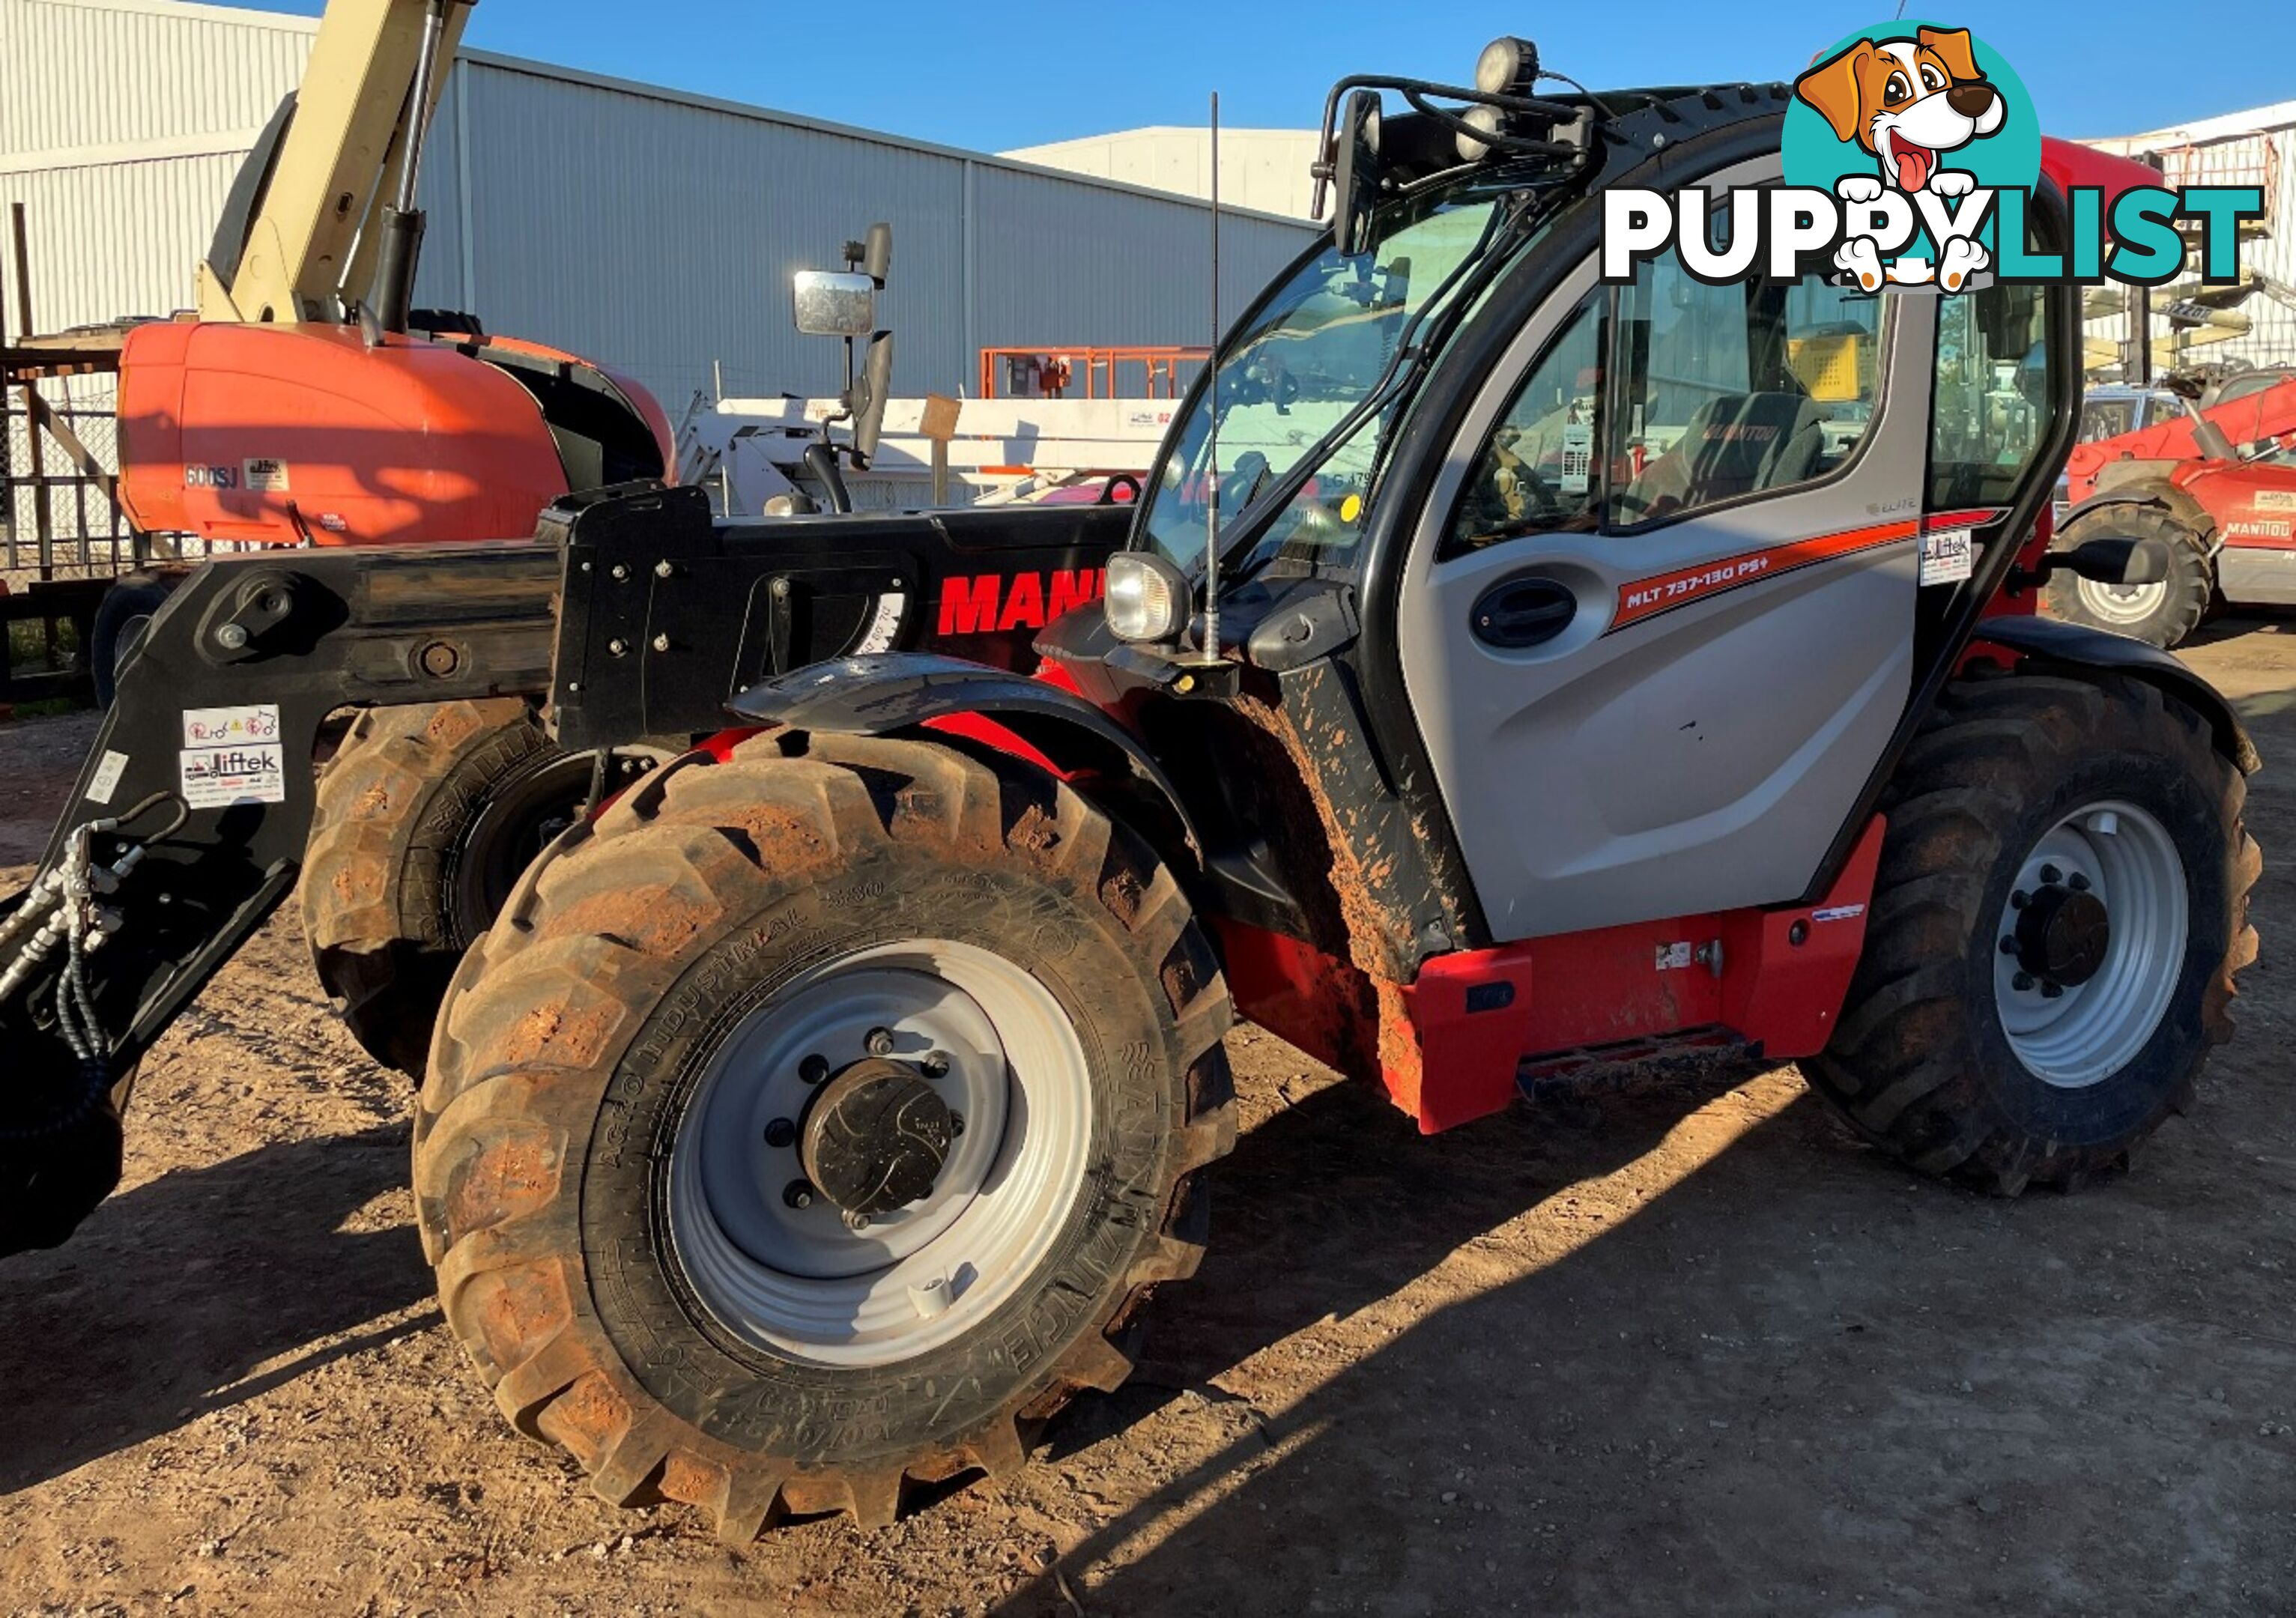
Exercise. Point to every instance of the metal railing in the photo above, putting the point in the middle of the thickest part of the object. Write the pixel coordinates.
(1162, 370)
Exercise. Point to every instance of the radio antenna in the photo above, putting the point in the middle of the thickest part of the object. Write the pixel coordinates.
(1212, 502)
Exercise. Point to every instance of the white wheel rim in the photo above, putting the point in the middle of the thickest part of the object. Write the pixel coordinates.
(2122, 603)
(800, 1281)
(2089, 1031)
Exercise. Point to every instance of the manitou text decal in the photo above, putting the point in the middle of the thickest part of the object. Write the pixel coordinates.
(1912, 156)
(988, 603)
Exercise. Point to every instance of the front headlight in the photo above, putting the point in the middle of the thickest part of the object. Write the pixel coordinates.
(1147, 597)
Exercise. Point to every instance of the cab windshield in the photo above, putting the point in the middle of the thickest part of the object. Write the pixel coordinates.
(1297, 368)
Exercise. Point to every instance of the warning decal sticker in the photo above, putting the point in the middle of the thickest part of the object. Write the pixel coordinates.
(213, 726)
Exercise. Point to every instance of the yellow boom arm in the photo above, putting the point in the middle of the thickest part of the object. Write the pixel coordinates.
(311, 246)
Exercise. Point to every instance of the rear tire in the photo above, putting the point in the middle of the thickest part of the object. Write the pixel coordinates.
(2161, 614)
(582, 1242)
(1943, 1058)
(408, 863)
(122, 617)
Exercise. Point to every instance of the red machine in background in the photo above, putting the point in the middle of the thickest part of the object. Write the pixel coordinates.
(2219, 484)
(308, 403)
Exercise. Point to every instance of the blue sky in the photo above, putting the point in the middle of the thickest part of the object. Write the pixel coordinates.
(1017, 73)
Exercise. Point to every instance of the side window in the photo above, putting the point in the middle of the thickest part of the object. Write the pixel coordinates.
(1728, 391)
(1537, 474)
(1992, 398)
(1670, 396)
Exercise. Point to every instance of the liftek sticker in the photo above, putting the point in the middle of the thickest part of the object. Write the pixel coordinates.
(1946, 555)
(264, 477)
(2274, 499)
(216, 777)
(1839, 913)
(1674, 957)
(106, 781)
(1578, 457)
(220, 727)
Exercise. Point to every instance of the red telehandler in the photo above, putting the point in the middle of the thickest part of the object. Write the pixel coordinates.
(2217, 487)
(821, 1109)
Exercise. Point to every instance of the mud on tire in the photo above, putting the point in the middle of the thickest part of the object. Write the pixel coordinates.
(579, 1031)
(397, 807)
(1922, 1062)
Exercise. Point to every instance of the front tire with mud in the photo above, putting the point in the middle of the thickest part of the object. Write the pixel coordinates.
(2060, 913)
(617, 1150)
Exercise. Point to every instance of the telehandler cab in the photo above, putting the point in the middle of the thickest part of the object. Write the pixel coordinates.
(820, 1107)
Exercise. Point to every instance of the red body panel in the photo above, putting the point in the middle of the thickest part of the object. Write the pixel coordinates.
(2250, 504)
(2264, 419)
(1446, 1048)
(303, 434)
(2068, 163)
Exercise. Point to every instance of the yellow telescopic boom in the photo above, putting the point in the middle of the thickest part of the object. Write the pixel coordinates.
(347, 160)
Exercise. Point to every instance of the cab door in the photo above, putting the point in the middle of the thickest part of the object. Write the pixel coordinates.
(1657, 623)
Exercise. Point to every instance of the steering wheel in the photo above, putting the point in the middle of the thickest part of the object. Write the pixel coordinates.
(1124, 480)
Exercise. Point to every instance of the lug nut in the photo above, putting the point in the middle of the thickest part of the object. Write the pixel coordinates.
(779, 1133)
(2051, 992)
(813, 1070)
(2019, 899)
(936, 1064)
(798, 1193)
(2008, 946)
(856, 1222)
(879, 1042)
(661, 642)
(618, 648)
(2077, 882)
(2022, 982)
(957, 1124)
(232, 637)
(2051, 876)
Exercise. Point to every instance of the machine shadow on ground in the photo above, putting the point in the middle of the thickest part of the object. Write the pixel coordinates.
(180, 1294)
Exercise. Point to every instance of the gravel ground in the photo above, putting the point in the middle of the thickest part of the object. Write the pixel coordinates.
(1681, 1347)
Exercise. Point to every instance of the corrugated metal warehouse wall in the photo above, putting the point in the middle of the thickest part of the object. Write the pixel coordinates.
(651, 231)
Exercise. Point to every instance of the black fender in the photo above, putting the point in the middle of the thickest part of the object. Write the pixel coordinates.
(2187, 511)
(886, 692)
(2054, 644)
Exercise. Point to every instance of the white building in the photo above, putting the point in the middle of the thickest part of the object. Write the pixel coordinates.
(1264, 169)
(2252, 148)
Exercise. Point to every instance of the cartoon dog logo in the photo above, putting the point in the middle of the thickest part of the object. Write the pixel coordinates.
(1908, 102)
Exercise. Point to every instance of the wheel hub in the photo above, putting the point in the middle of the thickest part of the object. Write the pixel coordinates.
(880, 1154)
(2092, 939)
(875, 1137)
(2063, 935)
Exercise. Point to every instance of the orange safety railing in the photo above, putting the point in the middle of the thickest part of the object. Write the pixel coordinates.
(1087, 373)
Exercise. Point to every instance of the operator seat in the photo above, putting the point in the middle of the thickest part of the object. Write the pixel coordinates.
(1736, 444)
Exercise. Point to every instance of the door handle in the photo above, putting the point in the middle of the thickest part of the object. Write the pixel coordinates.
(1519, 613)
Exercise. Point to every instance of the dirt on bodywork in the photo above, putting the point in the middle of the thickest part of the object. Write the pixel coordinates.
(1682, 1345)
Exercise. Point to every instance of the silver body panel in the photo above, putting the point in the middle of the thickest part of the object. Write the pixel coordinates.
(1702, 758)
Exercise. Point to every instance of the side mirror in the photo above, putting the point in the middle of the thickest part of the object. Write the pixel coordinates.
(1355, 173)
(834, 303)
(2105, 560)
(871, 394)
